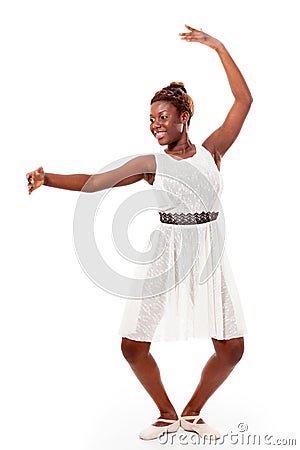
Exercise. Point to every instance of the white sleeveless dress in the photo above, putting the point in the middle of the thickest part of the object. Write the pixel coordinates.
(189, 289)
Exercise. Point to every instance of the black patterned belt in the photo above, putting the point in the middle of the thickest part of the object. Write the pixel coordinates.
(187, 219)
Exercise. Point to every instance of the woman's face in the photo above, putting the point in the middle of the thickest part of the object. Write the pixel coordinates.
(166, 124)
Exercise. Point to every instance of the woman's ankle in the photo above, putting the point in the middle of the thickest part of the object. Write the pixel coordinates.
(172, 415)
(190, 412)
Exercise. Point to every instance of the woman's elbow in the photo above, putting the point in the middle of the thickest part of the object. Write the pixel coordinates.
(249, 100)
(90, 186)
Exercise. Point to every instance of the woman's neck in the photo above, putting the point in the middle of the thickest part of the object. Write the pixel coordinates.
(181, 149)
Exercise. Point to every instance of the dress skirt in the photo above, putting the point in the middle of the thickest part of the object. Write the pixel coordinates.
(189, 290)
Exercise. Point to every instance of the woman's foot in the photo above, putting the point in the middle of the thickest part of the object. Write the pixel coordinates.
(161, 426)
(191, 420)
(195, 423)
(192, 415)
(160, 422)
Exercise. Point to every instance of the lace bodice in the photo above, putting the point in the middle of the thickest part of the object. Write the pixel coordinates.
(187, 185)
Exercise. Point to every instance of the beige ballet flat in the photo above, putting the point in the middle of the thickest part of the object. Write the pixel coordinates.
(202, 429)
(153, 431)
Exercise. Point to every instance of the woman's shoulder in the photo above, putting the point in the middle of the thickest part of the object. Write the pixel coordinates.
(146, 161)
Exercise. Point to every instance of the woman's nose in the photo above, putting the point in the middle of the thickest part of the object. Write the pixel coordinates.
(157, 123)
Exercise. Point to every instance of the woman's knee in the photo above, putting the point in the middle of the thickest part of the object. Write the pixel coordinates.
(134, 350)
(231, 350)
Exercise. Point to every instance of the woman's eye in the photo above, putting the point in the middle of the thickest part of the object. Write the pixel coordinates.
(162, 117)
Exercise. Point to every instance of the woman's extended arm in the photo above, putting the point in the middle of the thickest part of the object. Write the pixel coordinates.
(222, 138)
(130, 172)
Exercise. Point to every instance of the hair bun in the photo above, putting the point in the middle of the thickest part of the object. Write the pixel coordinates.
(178, 84)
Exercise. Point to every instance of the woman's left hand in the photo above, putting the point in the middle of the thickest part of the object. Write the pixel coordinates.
(35, 179)
(199, 36)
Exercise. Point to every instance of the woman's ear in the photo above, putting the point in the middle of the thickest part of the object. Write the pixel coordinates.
(185, 117)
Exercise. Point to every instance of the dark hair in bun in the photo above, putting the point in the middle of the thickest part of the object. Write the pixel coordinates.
(178, 84)
(176, 94)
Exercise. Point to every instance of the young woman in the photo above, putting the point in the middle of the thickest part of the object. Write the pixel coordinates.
(188, 308)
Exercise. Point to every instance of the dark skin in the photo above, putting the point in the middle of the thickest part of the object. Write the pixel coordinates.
(171, 130)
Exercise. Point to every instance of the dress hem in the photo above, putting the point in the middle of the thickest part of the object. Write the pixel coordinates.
(185, 339)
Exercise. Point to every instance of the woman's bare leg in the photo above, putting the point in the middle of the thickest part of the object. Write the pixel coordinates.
(145, 368)
(218, 367)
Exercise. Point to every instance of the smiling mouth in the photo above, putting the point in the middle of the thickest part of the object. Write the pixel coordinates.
(159, 134)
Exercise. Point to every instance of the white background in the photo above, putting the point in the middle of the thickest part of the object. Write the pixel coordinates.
(76, 81)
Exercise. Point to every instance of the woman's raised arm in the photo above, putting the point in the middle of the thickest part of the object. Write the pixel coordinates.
(132, 171)
(222, 138)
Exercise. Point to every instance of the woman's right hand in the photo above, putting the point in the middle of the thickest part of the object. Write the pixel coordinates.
(35, 179)
(199, 36)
